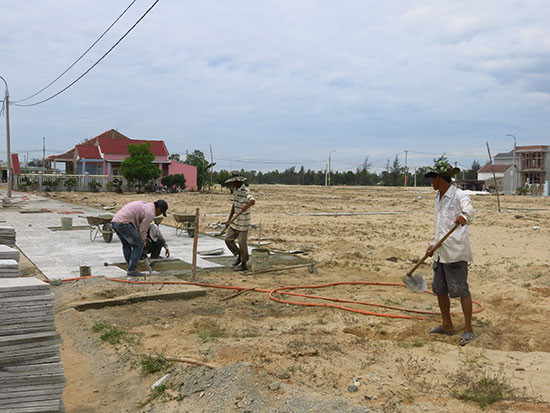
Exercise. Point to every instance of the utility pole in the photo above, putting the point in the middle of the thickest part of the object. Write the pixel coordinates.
(44, 153)
(406, 167)
(7, 103)
(211, 170)
(329, 165)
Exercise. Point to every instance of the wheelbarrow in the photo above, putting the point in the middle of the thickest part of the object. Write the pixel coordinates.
(100, 224)
(185, 222)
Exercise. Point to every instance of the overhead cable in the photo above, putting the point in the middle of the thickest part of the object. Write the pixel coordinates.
(81, 56)
(95, 64)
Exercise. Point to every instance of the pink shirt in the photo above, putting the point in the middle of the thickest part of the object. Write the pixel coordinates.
(138, 213)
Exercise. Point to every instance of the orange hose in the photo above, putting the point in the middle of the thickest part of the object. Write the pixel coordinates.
(284, 291)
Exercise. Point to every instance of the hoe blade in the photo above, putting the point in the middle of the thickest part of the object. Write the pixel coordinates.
(415, 282)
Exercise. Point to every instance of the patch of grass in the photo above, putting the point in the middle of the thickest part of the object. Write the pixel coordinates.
(485, 389)
(208, 333)
(154, 364)
(407, 344)
(113, 335)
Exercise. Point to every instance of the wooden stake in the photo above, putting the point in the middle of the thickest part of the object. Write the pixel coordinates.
(494, 176)
(195, 242)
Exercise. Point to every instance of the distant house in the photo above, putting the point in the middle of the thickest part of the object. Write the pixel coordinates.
(529, 165)
(104, 154)
(503, 175)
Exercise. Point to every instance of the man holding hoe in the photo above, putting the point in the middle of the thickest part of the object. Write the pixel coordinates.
(452, 206)
(238, 224)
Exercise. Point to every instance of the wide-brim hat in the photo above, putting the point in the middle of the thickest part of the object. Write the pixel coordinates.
(235, 177)
(441, 168)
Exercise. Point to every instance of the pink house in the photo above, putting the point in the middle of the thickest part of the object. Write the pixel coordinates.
(103, 155)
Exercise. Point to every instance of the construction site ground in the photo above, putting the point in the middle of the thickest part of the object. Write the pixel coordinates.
(264, 356)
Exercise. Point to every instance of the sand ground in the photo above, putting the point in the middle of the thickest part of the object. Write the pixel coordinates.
(311, 355)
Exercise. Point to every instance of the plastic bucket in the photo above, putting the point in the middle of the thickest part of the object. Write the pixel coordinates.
(85, 271)
(259, 259)
(66, 223)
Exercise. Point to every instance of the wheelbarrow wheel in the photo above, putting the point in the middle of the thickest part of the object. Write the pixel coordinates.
(107, 231)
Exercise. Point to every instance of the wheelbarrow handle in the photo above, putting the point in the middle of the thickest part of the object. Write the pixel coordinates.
(436, 246)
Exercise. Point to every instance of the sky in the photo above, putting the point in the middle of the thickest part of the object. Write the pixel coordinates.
(271, 84)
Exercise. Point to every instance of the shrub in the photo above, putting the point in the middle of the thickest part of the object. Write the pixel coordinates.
(173, 182)
(71, 182)
(154, 364)
(115, 185)
(94, 185)
(51, 183)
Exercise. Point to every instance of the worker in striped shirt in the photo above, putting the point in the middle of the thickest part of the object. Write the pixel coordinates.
(239, 220)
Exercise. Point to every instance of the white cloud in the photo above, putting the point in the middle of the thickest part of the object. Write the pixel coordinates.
(285, 79)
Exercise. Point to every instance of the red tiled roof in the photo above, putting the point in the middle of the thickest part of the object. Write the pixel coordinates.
(496, 168)
(120, 146)
(69, 155)
(88, 152)
(531, 148)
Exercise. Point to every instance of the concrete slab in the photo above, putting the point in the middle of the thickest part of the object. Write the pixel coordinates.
(189, 292)
(59, 254)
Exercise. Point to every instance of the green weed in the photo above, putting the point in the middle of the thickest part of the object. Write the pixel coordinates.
(113, 335)
(154, 364)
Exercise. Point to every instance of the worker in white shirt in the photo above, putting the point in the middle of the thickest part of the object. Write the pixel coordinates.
(452, 206)
(155, 242)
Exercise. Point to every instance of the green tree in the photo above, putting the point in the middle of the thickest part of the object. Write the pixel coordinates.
(174, 181)
(203, 166)
(175, 157)
(472, 172)
(138, 168)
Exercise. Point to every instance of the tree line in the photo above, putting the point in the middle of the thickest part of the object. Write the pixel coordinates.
(393, 175)
(138, 169)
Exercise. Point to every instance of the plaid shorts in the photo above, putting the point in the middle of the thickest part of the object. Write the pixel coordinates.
(451, 278)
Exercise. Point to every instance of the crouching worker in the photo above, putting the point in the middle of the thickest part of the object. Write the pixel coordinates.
(452, 206)
(238, 229)
(131, 223)
(155, 242)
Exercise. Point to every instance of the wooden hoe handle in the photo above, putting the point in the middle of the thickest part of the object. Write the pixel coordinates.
(227, 226)
(436, 246)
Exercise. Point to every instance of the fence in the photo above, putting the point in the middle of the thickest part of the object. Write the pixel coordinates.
(60, 181)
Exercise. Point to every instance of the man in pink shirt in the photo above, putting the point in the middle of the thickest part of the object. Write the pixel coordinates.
(131, 224)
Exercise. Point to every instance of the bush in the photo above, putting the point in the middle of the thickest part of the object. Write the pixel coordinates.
(115, 185)
(522, 190)
(51, 183)
(94, 185)
(173, 182)
(25, 182)
(71, 182)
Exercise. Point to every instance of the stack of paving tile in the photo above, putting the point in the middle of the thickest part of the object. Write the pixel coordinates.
(7, 235)
(9, 269)
(31, 372)
(8, 253)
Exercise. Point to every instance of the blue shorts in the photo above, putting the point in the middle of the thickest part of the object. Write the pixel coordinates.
(451, 278)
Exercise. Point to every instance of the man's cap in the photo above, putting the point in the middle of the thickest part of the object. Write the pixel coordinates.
(235, 176)
(163, 205)
(442, 168)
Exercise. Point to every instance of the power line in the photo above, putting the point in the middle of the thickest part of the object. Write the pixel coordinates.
(81, 56)
(95, 64)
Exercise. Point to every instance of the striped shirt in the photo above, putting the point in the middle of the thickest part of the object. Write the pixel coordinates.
(241, 196)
